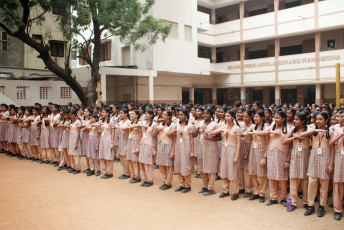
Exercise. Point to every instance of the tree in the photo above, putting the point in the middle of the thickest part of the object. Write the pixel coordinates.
(91, 20)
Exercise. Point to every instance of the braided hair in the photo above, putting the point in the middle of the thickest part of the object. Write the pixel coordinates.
(282, 114)
(262, 115)
(326, 117)
(232, 114)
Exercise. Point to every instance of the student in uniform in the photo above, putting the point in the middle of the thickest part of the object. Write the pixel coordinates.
(320, 164)
(338, 174)
(64, 145)
(106, 143)
(277, 160)
(116, 118)
(298, 160)
(93, 146)
(148, 149)
(198, 119)
(34, 133)
(44, 134)
(166, 150)
(257, 156)
(230, 151)
(26, 133)
(134, 147)
(245, 144)
(54, 118)
(84, 133)
(208, 152)
(184, 152)
(74, 141)
(123, 127)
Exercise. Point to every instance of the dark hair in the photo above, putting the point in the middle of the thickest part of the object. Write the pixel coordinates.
(302, 117)
(249, 113)
(269, 111)
(90, 111)
(221, 108)
(169, 113)
(162, 108)
(47, 109)
(232, 113)
(125, 110)
(237, 104)
(282, 114)
(262, 115)
(326, 117)
(107, 110)
(186, 113)
(151, 112)
(138, 115)
(29, 109)
(4, 105)
(209, 110)
(95, 116)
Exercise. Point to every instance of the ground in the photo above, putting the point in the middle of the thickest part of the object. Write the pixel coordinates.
(36, 196)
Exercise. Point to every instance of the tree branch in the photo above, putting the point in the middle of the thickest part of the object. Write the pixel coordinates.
(33, 19)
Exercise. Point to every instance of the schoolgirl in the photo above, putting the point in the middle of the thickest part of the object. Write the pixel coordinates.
(74, 142)
(123, 127)
(93, 146)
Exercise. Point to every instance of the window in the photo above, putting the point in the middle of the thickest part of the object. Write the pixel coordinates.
(292, 4)
(45, 92)
(23, 92)
(66, 93)
(73, 55)
(105, 51)
(291, 50)
(174, 29)
(4, 41)
(258, 12)
(188, 33)
(331, 44)
(37, 37)
(2, 89)
(57, 49)
(258, 54)
(126, 56)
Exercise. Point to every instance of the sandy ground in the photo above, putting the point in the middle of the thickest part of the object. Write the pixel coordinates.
(35, 196)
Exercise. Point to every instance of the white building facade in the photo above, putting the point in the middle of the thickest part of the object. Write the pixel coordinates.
(221, 51)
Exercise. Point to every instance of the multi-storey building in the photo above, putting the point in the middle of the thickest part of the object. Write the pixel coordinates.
(221, 51)
(24, 79)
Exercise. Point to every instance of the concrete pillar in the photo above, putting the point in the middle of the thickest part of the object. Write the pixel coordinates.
(242, 58)
(103, 88)
(317, 54)
(301, 95)
(318, 94)
(277, 94)
(151, 89)
(277, 54)
(213, 55)
(213, 17)
(192, 95)
(214, 96)
(243, 95)
(266, 95)
(242, 15)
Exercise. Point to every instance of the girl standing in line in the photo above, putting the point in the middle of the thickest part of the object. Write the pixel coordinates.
(277, 160)
(299, 160)
(184, 152)
(229, 155)
(123, 127)
(106, 143)
(166, 150)
(3, 126)
(257, 156)
(44, 134)
(26, 133)
(74, 141)
(148, 149)
(245, 144)
(93, 147)
(208, 152)
(116, 118)
(320, 165)
(54, 133)
(34, 132)
(198, 119)
(65, 128)
(84, 133)
(134, 147)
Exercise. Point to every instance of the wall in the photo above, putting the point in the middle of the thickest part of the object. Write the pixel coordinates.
(14, 56)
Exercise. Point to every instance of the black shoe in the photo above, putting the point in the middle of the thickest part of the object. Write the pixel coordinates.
(102, 177)
(107, 176)
(235, 197)
(271, 202)
(293, 207)
(179, 189)
(222, 195)
(321, 211)
(166, 186)
(198, 175)
(47, 162)
(300, 194)
(309, 211)
(124, 176)
(56, 164)
(185, 190)
(98, 173)
(162, 186)
(59, 168)
(254, 197)
(261, 199)
(203, 190)
(337, 216)
(91, 173)
(137, 180)
(148, 184)
(87, 170)
(242, 191)
(72, 171)
(284, 203)
(42, 162)
(247, 194)
(132, 181)
(218, 177)
(117, 160)
(331, 205)
(209, 192)
(156, 166)
(77, 172)
(305, 206)
(143, 184)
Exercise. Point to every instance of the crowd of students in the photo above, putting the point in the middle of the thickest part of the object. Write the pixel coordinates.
(249, 147)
